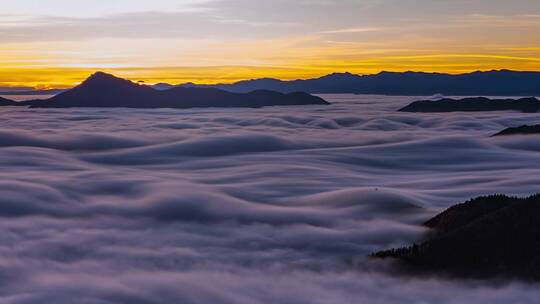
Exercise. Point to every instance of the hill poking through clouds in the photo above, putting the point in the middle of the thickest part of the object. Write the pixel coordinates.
(106, 91)
(474, 104)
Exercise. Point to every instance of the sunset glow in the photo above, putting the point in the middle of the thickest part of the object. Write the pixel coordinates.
(226, 41)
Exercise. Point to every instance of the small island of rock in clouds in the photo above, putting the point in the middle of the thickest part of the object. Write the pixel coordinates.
(258, 152)
(474, 104)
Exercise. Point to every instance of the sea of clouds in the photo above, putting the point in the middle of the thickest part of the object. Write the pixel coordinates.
(273, 205)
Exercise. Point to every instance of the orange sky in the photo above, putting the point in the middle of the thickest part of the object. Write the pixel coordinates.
(208, 41)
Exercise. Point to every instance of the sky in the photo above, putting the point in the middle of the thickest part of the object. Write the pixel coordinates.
(57, 43)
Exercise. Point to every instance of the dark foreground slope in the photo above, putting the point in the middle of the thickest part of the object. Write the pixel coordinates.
(523, 130)
(104, 90)
(487, 236)
(488, 83)
(475, 104)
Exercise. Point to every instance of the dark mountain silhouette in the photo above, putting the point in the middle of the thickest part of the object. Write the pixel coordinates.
(489, 83)
(333, 83)
(162, 86)
(105, 90)
(520, 130)
(7, 102)
(474, 104)
(484, 237)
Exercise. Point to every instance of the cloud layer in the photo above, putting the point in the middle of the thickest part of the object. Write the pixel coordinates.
(243, 206)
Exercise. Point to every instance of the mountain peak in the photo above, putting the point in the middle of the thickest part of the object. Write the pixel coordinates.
(341, 76)
(344, 74)
(102, 79)
(107, 91)
(101, 75)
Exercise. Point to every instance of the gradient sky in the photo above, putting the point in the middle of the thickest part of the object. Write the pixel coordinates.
(57, 43)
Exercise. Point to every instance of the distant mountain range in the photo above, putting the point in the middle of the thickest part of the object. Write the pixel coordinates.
(105, 91)
(490, 83)
(474, 104)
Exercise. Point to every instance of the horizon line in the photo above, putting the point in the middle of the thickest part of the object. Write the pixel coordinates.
(116, 72)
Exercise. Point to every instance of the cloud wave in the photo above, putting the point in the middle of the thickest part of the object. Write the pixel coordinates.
(241, 205)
